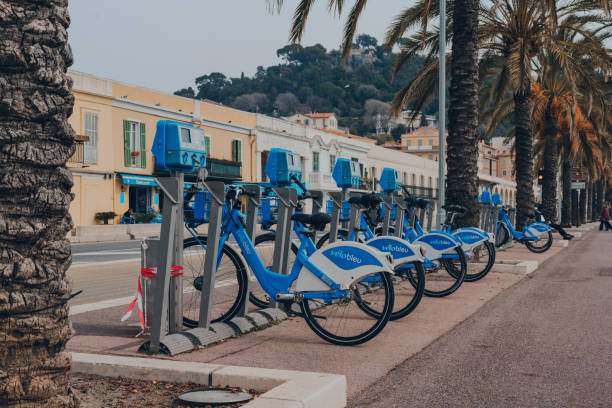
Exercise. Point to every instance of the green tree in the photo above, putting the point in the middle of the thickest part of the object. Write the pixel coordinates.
(35, 185)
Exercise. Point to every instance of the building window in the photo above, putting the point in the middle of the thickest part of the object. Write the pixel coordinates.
(430, 156)
(407, 143)
(134, 138)
(307, 122)
(315, 161)
(90, 147)
(332, 162)
(420, 142)
(503, 172)
(237, 150)
(414, 179)
(431, 142)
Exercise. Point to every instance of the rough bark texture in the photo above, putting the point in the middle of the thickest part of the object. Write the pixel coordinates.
(462, 156)
(35, 143)
(524, 157)
(566, 204)
(549, 179)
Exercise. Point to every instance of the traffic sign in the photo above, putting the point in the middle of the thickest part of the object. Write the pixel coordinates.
(578, 185)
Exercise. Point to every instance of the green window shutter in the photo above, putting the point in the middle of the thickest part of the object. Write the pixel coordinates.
(207, 144)
(238, 151)
(126, 143)
(143, 146)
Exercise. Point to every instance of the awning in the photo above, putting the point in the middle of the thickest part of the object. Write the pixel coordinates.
(138, 180)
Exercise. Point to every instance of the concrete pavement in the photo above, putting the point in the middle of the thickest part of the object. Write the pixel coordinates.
(546, 342)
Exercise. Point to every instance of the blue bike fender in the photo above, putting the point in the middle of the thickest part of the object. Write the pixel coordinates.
(437, 243)
(402, 251)
(470, 237)
(344, 263)
(537, 228)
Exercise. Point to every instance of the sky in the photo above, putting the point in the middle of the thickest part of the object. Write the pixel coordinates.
(165, 44)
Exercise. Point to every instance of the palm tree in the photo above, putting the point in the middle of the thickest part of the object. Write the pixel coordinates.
(514, 32)
(462, 155)
(35, 195)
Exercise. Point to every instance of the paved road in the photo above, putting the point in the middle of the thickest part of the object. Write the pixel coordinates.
(546, 342)
(102, 253)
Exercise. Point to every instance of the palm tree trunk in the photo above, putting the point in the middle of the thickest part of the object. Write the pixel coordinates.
(566, 204)
(589, 211)
(575, 207)
(583, 205)
(549, 181)
(524, 156)
(35, 186)
(462, 156)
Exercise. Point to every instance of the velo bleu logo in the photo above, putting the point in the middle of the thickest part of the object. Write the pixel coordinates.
(470, 237)
(396, 249)
(347, 257)
(437, 241)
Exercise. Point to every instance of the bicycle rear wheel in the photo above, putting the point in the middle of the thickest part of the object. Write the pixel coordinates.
(502, 237)
(343, 322)
(229, 286)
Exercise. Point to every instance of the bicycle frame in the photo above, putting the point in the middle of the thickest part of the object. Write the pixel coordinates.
(526, 235)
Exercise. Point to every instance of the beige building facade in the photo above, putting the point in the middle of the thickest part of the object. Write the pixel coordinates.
(113, 168)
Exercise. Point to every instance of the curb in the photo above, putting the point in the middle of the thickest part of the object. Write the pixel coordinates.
(282, 388)
(516, 267)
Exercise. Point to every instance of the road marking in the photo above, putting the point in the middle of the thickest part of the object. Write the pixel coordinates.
(93, 263)
(105, 304)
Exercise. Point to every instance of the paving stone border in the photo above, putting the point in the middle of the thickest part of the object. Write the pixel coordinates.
(194, 339)
(281, 388)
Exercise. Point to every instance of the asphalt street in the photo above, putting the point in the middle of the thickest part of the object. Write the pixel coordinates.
(545, 342)
(101, 253)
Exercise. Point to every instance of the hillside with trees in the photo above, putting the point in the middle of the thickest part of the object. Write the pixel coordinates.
(313, 79)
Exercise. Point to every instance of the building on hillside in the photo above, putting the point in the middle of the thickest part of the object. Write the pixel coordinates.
(361, 56)
(423, 142)
(316, 120)
(406, 118)
(113, 167)
(505, 157)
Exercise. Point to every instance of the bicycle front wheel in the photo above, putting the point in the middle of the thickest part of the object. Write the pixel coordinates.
(541, 245)
(446, 275)
(229, 291)
(481, 260)
(343, 322)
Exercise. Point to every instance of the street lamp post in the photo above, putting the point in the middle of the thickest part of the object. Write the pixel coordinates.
(442, 110)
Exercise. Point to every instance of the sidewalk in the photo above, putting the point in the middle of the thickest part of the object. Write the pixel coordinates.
(291, 345)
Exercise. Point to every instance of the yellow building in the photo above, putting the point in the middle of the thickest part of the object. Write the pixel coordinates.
(316, 120)
(113, 167)
(423, 142)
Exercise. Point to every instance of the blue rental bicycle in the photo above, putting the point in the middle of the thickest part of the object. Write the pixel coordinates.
(444, 263)
(477, 245)
(536, 236)
(408, 281)
(331, 285)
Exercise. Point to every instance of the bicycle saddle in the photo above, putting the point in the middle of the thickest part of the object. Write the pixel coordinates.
(366, 200)
(417, 202)
(455, 208)
(318, 220)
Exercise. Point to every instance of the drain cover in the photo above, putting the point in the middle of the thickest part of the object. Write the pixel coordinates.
(201, 397)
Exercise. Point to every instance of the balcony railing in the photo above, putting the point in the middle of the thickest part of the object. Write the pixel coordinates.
(79, 154)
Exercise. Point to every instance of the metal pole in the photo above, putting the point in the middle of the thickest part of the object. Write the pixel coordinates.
(442, 110)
